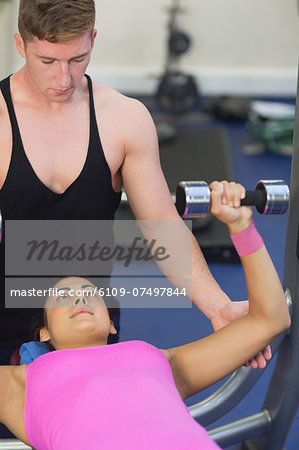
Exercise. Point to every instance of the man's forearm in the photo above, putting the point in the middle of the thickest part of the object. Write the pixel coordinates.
(206, 292)
(185, 267)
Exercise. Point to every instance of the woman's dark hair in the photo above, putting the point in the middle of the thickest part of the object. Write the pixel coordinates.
(39, 321)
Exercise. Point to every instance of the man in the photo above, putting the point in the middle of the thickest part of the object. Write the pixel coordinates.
(58, 161)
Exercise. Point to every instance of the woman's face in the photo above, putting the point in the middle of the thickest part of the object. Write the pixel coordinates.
(77, 316)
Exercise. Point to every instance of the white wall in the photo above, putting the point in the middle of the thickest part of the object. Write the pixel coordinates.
(7, 21)
(241, 47)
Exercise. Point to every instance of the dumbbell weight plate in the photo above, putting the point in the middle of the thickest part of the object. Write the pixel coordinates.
(178, 43)
(193, 199)
(177, 93)
(278, 195)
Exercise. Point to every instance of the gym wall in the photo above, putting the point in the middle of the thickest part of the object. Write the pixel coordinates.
(239, 47)
(7, 27)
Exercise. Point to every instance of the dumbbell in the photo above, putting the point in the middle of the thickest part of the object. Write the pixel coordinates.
(269, 197)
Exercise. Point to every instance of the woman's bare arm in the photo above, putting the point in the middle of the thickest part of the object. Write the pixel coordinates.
(6, 373)
(12, 400)
(199, 364)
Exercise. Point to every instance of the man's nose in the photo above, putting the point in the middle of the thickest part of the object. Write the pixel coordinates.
(64, 75)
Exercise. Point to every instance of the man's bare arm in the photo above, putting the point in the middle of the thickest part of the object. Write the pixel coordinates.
(150, 200)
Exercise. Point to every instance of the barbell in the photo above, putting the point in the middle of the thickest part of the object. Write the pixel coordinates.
(269, 197)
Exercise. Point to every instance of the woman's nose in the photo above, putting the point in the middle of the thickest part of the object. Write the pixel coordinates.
(80, 301)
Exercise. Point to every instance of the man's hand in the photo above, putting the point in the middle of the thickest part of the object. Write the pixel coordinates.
(232, 311)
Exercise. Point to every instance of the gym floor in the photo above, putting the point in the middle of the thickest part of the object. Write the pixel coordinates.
(174, 327)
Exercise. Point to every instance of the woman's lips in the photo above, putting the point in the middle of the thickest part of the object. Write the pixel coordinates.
(82, 311)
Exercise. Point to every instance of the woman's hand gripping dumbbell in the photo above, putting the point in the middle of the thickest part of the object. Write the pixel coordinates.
(269, 197)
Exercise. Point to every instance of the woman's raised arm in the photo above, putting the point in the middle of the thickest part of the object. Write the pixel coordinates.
(199, 364)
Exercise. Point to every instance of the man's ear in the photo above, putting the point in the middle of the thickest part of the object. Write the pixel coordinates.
(93, 36)
(44, 335)
(112, 328)
(20, 45)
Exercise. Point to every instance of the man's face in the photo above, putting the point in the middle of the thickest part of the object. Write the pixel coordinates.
(57, 69)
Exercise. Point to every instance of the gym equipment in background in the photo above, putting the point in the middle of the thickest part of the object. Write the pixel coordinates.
(271, 124)
(177, 91)
(232, 109)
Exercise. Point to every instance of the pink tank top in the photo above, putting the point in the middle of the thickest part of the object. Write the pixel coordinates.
(120, 396)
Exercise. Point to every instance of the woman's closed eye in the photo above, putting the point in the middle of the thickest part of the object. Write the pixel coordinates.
(90, 292)
(63, 296)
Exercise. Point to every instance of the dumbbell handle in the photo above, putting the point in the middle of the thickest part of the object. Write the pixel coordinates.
(256, 198)
(269, 197)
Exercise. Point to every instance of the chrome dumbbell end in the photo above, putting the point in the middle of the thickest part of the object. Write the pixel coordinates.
(192, 199)
(277, 196)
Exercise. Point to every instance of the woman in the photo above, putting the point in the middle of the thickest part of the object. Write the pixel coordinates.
(130, 395)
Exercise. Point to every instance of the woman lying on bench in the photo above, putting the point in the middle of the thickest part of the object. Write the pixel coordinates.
(130, 395)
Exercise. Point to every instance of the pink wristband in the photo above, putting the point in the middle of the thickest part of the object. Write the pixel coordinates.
(247, 241)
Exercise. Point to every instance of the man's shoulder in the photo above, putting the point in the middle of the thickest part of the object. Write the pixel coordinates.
(107, 96)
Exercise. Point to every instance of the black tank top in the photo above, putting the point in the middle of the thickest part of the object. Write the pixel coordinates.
(23, 196)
